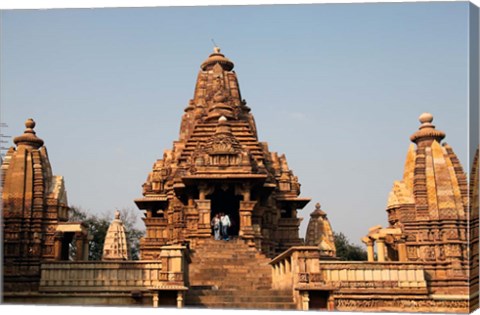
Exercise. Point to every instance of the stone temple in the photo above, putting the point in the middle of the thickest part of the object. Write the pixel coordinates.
(218, 165)
(425, 260)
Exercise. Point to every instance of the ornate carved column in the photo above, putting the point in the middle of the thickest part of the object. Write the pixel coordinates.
(246, 229)
(191, 217)
(203, 207)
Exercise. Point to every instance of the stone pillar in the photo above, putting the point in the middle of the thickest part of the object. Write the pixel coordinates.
(203, 207)
(381, 250)
(331, 303)
(180, 299)
(58, 245)
(192, 219)
(155, 299)
(79, 242)
(86, 246)
(246, 229)
(174, 263)
(305, 301)
(402, 250)
(370, 251)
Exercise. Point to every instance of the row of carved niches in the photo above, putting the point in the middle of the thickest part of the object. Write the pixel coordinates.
(436, 253)
(437, 235)
(400, 303)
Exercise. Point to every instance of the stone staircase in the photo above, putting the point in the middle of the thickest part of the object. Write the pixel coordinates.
(232, 275)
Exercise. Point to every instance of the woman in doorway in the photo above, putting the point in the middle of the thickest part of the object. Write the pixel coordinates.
(216, 224)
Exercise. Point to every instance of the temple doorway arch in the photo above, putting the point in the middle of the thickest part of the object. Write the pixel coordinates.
(223, 199)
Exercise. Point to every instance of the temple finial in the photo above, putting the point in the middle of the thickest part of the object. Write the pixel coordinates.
(29, 137)
(426, 120)
(217, 58)
(216, 49)
(427, 133)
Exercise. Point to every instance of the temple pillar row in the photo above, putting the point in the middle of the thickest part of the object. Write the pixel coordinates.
(81, 243)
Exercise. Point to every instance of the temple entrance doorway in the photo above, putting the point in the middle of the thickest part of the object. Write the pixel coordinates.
(224, 200)
(318, 300)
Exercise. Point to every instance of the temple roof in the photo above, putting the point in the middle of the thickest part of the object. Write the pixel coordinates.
(218, 142)
(27, 175)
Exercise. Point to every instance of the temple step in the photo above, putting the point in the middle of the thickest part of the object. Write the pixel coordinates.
(231, 274)
(239, 299)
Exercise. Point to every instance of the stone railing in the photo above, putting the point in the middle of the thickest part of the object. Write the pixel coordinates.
(294, 266)
(105, 276)
(387, 275)
(300, 270)
(170, 272)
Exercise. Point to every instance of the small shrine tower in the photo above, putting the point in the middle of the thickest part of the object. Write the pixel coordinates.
(116, 246)
(320, 233)
(35, 213)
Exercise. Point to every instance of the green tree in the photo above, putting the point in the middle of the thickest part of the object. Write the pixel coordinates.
(98, 225)
(348, 251)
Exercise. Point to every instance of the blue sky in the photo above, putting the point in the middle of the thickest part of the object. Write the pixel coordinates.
(338, 88)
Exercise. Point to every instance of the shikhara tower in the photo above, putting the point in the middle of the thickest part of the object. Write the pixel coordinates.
(217, 165)
(428, 213)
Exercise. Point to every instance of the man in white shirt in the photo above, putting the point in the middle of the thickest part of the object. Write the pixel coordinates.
(225, 220)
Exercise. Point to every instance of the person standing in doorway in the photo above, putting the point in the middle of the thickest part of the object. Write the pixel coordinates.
(225, 223)
(216, 224)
